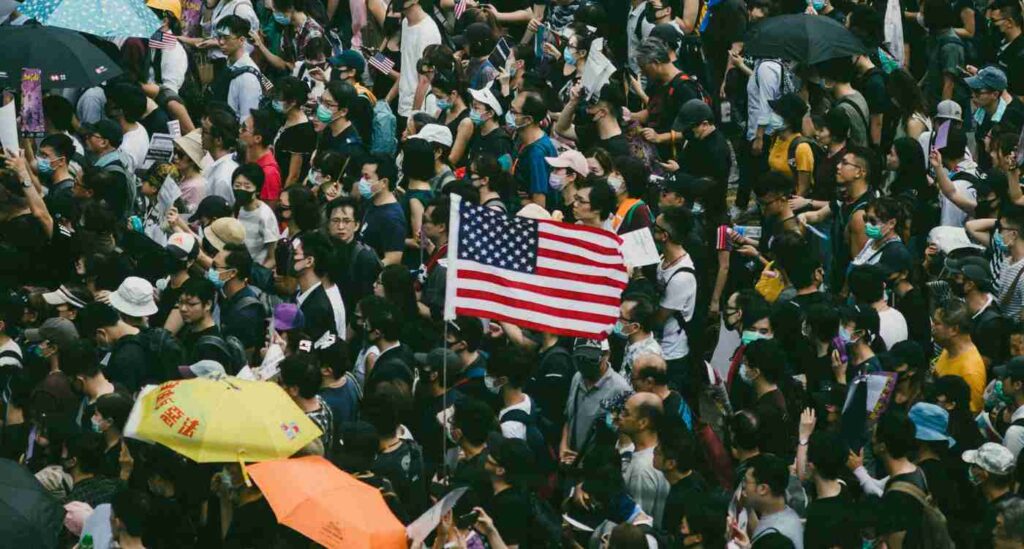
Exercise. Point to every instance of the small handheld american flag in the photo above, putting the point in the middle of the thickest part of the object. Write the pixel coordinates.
(380, 62)
(162, 40)
(543, 275)
(460, 8)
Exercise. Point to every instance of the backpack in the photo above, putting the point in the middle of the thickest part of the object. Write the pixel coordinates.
(816, 150)
(135, 206)
(163, 354)
(845, 100)
(230, 346)
(692, 328)
(384, 124)
(543, 452)
(545, 528)
(934, 532)
(220, 87)
(694, 86)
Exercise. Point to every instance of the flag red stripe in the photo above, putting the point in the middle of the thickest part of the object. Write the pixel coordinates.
(612, 252)
(592, 279)
(578, 259)
(523, 322)
(544, 290)
(531, 306)
(583, 228)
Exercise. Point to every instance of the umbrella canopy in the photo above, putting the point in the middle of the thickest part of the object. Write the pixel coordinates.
(31, 516)
(221, 420)
(66, 58)
(107, 18)
(327, 505)
(801, 37)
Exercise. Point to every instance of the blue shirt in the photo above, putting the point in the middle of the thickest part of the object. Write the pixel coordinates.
(384, 228)
(532, 171)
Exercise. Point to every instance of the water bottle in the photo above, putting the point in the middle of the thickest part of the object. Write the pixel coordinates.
(86, 542)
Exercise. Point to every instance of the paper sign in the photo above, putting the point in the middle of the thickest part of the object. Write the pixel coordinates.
(422, 527)
(638, 249)
(161, 149)
(32, 103)
(598, 70)
(174, 128)
(98, 526)
(9, 128)
(941, 136)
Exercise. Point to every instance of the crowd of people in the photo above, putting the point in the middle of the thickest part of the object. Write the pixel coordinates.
(838, 362)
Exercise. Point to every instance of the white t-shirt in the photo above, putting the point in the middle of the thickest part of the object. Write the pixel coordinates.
(136, 144)
(245, 91)
(173, 66)
(260, 230)
(892, 326)
(8, 348)
(950, 215)
(218, 178)
(337, 305)
(515, 429)
(414, 39)
(680, 294)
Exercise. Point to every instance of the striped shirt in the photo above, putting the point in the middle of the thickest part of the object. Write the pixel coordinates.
(1011, 305)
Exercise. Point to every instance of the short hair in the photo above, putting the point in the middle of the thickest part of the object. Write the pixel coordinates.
(955, 389)
(1009, 10)
(442, 210)
(867, 283)
(635, 175)
(1012, 510)
(755, 311)
(236, 25)
(771, 470)
(344, 95)
(955, 314)
(79, 359)
(800, 269)
(823, 321)
(768, 357)
(130, 98)
(132, 507)
(828, 452)
(652, 411)
(200, 288)
(264, 125)
(680, 222)
(238, 258)
(224, 124)
(773, 182)
(938, 15)
(643, 312)
(865, 156)
(336, 357)
(316, 245)
(381, 315)
(342, 202)
(659, 375)
(514, 364)
(283, 5)
(61, 144)
(677, 444)
(301, 372)
(475, 419)
(470, 330)
(896, 431)
(418, 159)
(839, 69)
(88, 449)
(386, 168)
(652, 50)
(956, 144)
(838, 124)
(95, 316)
(251, 171)
(746, 430)
(290, 88)
(304, 206)
(534, 107)
(59, 112)
(116, 407)
(602, 199)
(382, 408)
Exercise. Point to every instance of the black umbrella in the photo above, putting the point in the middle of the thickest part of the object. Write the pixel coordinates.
(801, 37)
(66, 58)
(31, 516)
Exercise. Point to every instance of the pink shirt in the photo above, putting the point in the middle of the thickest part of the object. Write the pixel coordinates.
(271, 177)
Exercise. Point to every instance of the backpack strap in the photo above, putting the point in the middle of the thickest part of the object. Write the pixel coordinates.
(791, 152)
(623, 212)
(1013, 289)
(684, 324)
(863, 116)
(266, 86)
(519, 416)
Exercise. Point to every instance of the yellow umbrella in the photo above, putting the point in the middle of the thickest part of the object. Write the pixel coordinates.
(221, 420)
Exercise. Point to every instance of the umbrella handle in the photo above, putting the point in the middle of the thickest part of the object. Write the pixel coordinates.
(245, 472)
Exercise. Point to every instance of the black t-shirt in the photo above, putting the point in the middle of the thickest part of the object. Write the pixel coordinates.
(616, 145)
(189, 338)
(383, 228)
(872, 86)
(776, 436)
(914, 307)
(168, 302)
(497, 143)
(989, 333)
(319, 313)
(831, 522)
(549, 386)
(510, 511)
(899, 512)
(298, 139)
(471, 473)
(666, 100)
(254, 525)
(156, 122)
(403, 466)
(685, 491)
(348, 142)
(710, 157)
(1011, 59)
(127, 364)
(26, 246)
(246, 323)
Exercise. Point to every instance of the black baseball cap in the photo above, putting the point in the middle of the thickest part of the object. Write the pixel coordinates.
(1014, 369)
(107, 129)
(212, 207)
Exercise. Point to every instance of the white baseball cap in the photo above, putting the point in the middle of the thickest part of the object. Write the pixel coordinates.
(487, 97)
(435, 133)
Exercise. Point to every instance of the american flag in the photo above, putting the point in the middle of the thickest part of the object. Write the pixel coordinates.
(162, 40)
(460, 8)
(381, 62)
(548, 276)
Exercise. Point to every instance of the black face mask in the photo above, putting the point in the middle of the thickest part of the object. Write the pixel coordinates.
(650, 13)
(589, 369)
(243, 197)
(392, 24)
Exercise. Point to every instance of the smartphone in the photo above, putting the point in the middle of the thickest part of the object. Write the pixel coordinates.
(840, 346)
(465, 521)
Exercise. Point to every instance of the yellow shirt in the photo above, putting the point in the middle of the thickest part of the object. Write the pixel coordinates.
(778, 157)
(971, 368)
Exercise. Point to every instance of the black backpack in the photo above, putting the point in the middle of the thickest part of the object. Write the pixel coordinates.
(693, 326)
(543, 452)
(545, 530)
(163, 354)
(816, 150)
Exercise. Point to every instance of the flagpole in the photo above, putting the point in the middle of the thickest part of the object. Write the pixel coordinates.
(451, 277)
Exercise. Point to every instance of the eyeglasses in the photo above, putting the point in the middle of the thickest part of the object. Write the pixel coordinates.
(845, 162)
(579, 200)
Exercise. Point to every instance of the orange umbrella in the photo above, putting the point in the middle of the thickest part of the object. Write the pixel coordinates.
(327, 505)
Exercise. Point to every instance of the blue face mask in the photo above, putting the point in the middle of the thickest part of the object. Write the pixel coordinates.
(323, 115)
(845, 335)
(872, 231)
(570, 59)
(278, 105)
(365, 189)
(444, 104)
(997, 241)
(213, 276)
(750, 336)
(818, 5)
(282, 18)
(43, 164)
(510, 120)
(476, 117)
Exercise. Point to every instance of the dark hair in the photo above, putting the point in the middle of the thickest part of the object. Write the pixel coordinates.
(87, 449)
(828, 452)
(335, 357)
(291, 89)
(224, 124)
(533, 106)
(773, 182)
(418, 159)
(839, 69)
(767, 356)
(251, 171)
(200, 288)
(380, 314)
(59, 112)
(865, 155)
(956, 144)
(236, 25)
(955, 389)
(755, 311)
(867, 283)
(238, 258)
(514, 364)
(911, 173)
(265, 125)
(386, 168)
(382, 409)
(116, 407)
(330, 164)
(955, 314)
(79, 358)
(128, 97)
(61, 144)
(400, 289)
(837, 124)
(659, 376)
(896, 431)
(800, 269)
(902, 88)
(297, 5)
(318, 246)
(132, 507)
(635, 174)
(470, 330)
(643, 312)
(301, 372)
(680, 221)
(475, 419)
(771, 470)
(939, 15)
(866, 23)
(305, 209)
(823, 321)
(746, 430)
(344, 95)
(1009, 10)
(97, 315)
(342, 202)
(498, 180)
(602, 199)
(677, 444)
(441, 210)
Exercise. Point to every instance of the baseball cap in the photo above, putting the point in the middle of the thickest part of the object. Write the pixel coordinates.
(512, 454)
(1014, 368)
(571, 159)
(59, 331)
(669, 34)
(107, 129)
(949, 109)
(435, 133)
(487, 97)
(134, 297)
(226, 230)
(349, 59)
(955, 265)
(980, 276)
(989, 78)
(203, 368)
(212, 207)
(288, 316)
(692, 113)
(436, 359)
(587, 350)
(895, 259)
(931, 423)
(192, 145)
(685, 185)
(994, 458)
(66, 296)
(183, 246)
(475, 33)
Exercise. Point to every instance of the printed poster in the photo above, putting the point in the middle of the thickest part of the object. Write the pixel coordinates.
(32, 103)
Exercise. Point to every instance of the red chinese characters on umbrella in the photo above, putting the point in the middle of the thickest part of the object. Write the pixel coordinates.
(172, 415)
